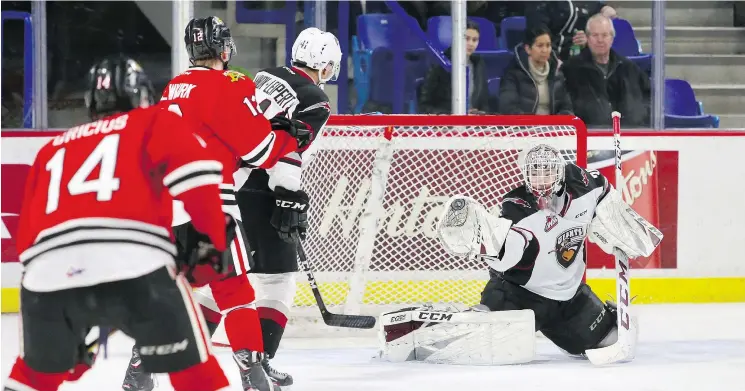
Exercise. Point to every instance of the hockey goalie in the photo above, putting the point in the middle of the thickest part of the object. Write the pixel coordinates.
(534, 248)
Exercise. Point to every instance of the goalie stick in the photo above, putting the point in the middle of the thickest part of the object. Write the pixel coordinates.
(623, 349)
(337, 320)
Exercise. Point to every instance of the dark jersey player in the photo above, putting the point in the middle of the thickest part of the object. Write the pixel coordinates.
(268, 198)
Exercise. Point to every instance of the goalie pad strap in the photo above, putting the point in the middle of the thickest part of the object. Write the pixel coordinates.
(617, 225)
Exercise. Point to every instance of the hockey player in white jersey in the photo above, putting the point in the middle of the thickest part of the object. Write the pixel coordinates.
(535, 251)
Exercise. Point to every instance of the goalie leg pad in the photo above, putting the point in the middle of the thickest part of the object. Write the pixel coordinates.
(582, 322)
(461, 338)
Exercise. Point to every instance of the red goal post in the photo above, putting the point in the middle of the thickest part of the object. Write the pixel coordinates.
(377, 184)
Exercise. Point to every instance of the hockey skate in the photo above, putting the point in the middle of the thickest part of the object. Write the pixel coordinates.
(281, 379)
(253, 375)
(136, 379)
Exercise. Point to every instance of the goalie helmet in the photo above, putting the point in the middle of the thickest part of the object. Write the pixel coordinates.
(209, 38)
(117, 84)
(318, 50)
(543, 170)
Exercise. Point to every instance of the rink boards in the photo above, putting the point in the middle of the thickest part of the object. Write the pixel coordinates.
(704, 265)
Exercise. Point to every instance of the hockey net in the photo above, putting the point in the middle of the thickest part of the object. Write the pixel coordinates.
(377, 185)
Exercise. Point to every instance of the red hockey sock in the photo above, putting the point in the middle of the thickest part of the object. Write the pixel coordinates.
(23, 377)
(207, 376)
(244, 330)
(234, 297)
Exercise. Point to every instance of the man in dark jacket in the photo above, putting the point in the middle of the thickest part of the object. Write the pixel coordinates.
(435, 96)
(601, 81)
(565, 19)
(532, 83)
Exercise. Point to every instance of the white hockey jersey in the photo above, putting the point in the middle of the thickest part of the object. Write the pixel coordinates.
(544, 250)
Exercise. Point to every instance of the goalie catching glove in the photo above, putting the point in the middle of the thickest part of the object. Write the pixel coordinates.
(466, 228)
(290, 213)
(617, 225)
(198, 258)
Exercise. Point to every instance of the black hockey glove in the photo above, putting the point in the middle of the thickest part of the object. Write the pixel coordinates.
(290, 213)
(197, 257)
(301, 131)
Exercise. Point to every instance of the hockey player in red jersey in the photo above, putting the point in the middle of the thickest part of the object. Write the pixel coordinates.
(94, 238)
(229, 113)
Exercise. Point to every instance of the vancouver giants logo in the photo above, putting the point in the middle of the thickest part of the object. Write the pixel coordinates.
(13, 184)
(568, 244)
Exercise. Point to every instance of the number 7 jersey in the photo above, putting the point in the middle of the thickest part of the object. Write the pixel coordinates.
(97, 206)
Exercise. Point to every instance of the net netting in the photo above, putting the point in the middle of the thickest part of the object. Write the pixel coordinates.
(375, 202)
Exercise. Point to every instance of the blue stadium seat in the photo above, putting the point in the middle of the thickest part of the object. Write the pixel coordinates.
(381, 41)
(626, 44)
(682, 110)
(440, 31)
(512, 31)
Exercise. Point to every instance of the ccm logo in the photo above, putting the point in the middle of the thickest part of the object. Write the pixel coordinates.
(398, 318)
(436, 316)
(291, 205)
(162, 350)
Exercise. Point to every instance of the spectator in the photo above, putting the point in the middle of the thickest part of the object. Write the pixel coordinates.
(532, 83)
(435, 96)
(601, 81)
(564, 19)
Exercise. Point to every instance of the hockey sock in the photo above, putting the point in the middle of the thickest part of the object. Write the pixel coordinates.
(234, 297)
(207, 376)
(273, 324)
(23, 378)
(212, 318)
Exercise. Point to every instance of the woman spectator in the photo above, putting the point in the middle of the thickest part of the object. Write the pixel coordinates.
(435, 96)
(532, 83)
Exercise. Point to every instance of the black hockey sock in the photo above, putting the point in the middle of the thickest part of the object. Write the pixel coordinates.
(212, 327)
(272, 333)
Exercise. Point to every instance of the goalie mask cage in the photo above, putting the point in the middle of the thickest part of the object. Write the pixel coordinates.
(377, 185)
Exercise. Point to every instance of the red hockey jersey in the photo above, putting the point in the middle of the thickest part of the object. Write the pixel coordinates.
(224, 107)
(97, 206)
(223, 104)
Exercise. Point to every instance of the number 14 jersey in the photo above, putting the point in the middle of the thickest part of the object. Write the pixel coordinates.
(97, 206)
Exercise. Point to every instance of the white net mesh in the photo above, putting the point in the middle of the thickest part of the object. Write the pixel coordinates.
(374, 205)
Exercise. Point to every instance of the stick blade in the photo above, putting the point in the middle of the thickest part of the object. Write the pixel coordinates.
(349, 321)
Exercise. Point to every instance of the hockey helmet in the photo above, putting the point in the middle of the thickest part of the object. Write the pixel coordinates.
(117, 84)
(318, 50)
(209, 38)
(543, 170)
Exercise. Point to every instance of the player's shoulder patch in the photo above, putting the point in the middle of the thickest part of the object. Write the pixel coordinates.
(234, 76)
(516, 205)
(580, 181)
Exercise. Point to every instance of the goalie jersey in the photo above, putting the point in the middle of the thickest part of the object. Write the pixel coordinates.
(294, 90)
(545, 249)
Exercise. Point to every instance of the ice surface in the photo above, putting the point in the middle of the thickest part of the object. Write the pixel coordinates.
(682, 347)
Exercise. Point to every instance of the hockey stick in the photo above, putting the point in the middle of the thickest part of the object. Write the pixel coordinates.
(623, 349)
(337, 320)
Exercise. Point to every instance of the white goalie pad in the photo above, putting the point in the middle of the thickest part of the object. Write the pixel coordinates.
(466, 228)
(617, 225)
(462, 338)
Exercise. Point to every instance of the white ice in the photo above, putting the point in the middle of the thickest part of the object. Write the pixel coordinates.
(682, 348)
